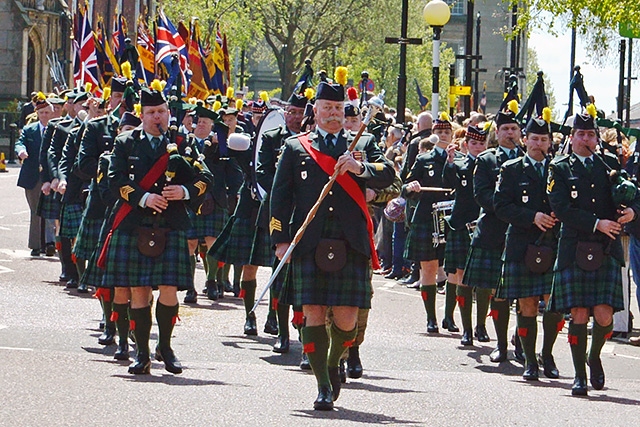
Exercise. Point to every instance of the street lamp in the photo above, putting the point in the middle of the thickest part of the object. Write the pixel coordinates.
(436, 14)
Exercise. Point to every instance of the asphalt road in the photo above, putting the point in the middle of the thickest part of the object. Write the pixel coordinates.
(54, 373)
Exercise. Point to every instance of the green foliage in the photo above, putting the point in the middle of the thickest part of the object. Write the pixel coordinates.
(532, 69)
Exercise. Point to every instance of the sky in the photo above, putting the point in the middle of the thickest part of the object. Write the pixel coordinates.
(602, 83)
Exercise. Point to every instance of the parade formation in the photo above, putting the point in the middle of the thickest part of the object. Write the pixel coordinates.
(135, 182)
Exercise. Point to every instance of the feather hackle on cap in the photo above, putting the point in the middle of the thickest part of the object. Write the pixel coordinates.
(546, 114)
(230, 92)
(513, 106)
(444, 116)
(264, 95)
(309, 93)
(106, 93)
(216, 106)
(88, 86)
(592, 110)
(239, 104)
(156, 85)
(125, 67)
(352, 94)
(341, 75)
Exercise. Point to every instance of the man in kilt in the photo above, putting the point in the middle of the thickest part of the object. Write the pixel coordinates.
(209, 222)
(458, 174)
(154, 183)
(233, 245)
(527, 273)
(484, 263)
(262, 252)
(587, 278)
(420, 245)
(331, 265)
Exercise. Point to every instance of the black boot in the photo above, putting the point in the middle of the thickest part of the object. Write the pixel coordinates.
(140, 323)
(271, 325)
(354, 365)
(212, 290)
(106, 296)
(250, 326)
(166, 317)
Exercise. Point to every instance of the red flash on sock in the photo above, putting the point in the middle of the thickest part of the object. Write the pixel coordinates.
(242, 293)
(174, 319)
(493, 314)
(298, 318)
(348, 344)
(572, 339)
(58, 246)
(220, 264)
(424, 295)
(608, 336)
(309, 348)
(460, 300)
(104, 294)
(114, 316)
(74, 259)
(274, 303)
(522, 332)
(132, 325)
(560, 326)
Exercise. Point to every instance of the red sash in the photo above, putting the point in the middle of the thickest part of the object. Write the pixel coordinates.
(156, 171)
(348, 184)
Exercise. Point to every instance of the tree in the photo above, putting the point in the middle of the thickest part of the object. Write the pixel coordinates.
(532, 69)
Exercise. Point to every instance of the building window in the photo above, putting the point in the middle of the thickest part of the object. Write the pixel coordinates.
(457, 6)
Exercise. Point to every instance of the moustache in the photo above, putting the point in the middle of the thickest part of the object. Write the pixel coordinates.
(330, 119)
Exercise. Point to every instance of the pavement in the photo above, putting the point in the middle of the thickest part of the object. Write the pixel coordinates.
(53, 372)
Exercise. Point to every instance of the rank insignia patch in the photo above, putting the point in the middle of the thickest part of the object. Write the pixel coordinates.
(125, 191)
(201, 186)
(274, 225)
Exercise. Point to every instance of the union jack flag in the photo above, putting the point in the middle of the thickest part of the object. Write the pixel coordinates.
(85, 67)
(169, 42)
(119, 34)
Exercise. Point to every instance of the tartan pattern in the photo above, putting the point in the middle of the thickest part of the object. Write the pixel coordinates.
(419, 245)
(574, 287)
(518, 282)
(307, 284)
(235, 248)
(483, 268)
(206, 225)
(127, 267)
(70, 218)
(92, 275)
(49, 207)
(262, 253)
(88, 236)
(456, 250)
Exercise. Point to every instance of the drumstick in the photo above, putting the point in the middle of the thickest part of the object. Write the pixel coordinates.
(436, 189)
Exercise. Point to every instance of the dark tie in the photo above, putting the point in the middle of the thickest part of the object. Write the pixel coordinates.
(512, 154)
(588, 164)
(329, 140)
(539, 169)
(155, 142)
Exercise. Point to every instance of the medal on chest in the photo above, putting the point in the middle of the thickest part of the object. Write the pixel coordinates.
(574, 192)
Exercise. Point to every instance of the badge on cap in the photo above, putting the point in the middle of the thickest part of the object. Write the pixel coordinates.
(303, 174)
(525, 198)
(431, 172)
(574, 194)
(463, 182)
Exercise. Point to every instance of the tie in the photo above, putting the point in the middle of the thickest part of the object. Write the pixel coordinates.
(155, 141)
(512, 154)
(329, 140)
(588, 164)
(539, 169)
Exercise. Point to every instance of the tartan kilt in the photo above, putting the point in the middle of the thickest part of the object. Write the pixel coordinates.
(206, 225)
(483, 268)
(456, 250)
(70, 218)
(574, 287)
(233, 245)
(307, 284)
(92, 275)
(262, 253)
(49, 207)
(127, 267)
(518, 282)
(419, 246)
(88, 236)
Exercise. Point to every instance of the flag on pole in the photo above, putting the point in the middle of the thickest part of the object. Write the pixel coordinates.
(119, 34)
(168, 43)
(198, 87)
(86, 61)
(423, 100)
(146, 66)
(106, 61)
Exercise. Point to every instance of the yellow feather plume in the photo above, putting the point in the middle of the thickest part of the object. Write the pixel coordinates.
(137, 109)
(163, 84)
(126, 70)
(230, 92)
(216, 106)
(309, 93)
(156, 85)
(487, 126)
(513, 106)
(592, 110)
(445, 116)
(239, 104)
(340, 75)
(264, 96)
(41, 96)
(88, 86)
(106, 94)
(193, 100)
(546, 114)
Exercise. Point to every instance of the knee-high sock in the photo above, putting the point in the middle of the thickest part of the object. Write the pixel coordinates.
(282, 311)
(483, 297)
(120, 316)
(340, 340)
(578, 341)
(81, 266)
(273, 304)
(315, 343)
(237, 273)
(465, 304)
(450, 300)
(212, 267)
(500, 315)
(166, 317)
(192, 262)
(65, 258)
(552, 323)
(428, 293)
(599, 336)
(140, 323)
(528, 331)
(248, 294)
(105, 295)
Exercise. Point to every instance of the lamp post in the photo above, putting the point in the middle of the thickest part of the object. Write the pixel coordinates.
(436, 14)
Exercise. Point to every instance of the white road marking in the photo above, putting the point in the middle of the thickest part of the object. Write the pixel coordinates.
(3, 326)
(5, 270)
(627, 356)
(16, 348)
(22, 212)
(5, 228)
(16, 253)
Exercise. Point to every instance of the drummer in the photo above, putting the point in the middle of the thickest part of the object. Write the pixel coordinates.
(427, 171)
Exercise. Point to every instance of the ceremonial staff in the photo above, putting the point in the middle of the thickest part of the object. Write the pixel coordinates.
(375, 104)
